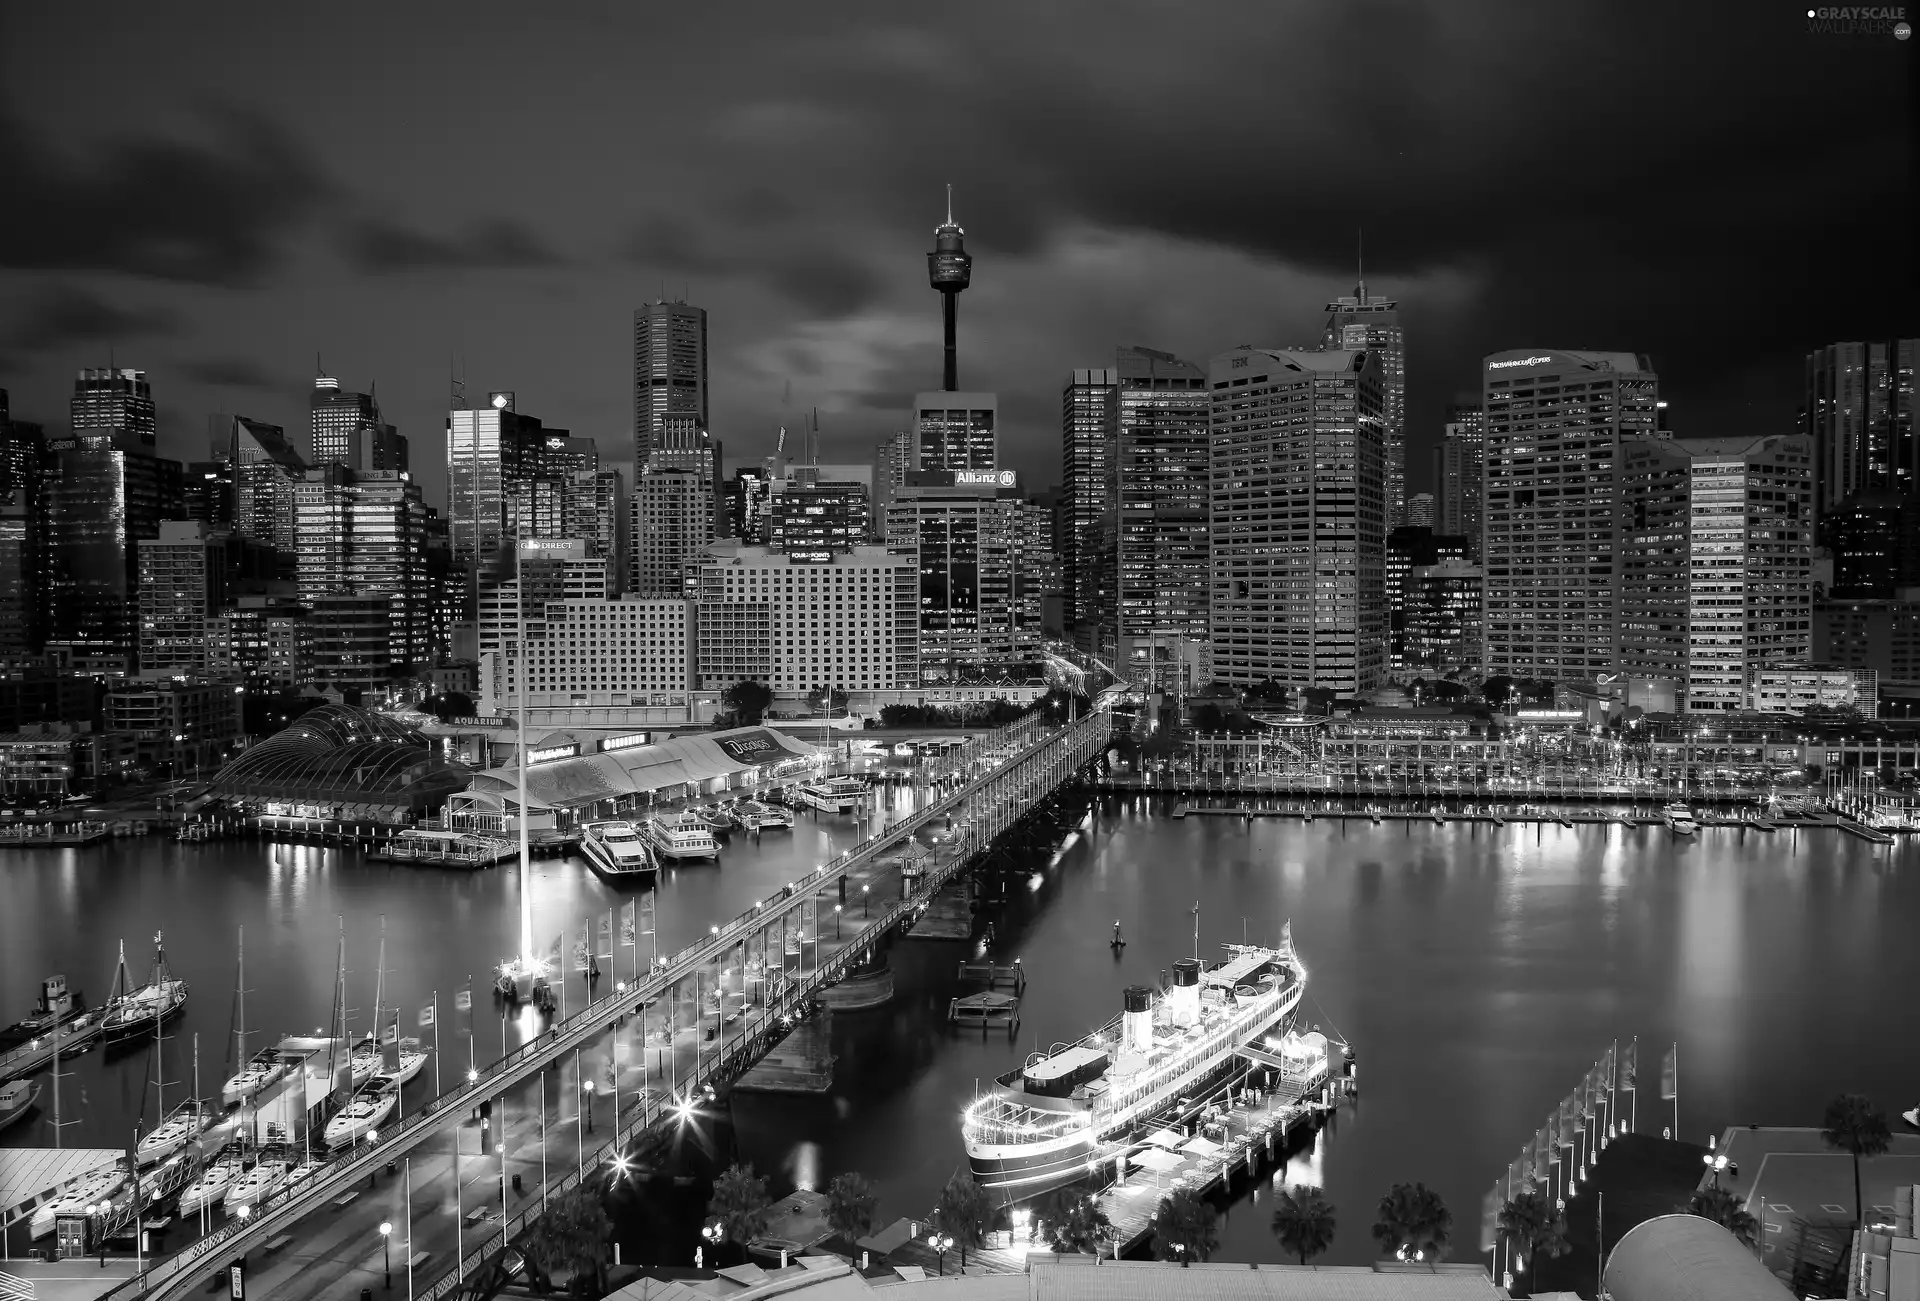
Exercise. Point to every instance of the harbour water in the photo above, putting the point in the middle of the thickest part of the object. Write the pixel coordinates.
(1478, 971)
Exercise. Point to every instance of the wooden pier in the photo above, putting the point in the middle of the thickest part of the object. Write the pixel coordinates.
(1012, 977)
(985, 1009)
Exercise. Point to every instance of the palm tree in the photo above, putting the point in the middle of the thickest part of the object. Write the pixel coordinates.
(739, 1205)
(572, 1236)
(964, 1212)
(850, 1206)
(1303, 1221)
(1413, 1222)
(1855, 1126)
(1726, 1210)
(1184, 1226)
(1537, 1225)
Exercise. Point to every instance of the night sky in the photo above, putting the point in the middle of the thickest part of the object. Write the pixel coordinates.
(220, 191)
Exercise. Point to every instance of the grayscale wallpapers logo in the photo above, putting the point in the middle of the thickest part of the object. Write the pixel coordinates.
(1860, 20)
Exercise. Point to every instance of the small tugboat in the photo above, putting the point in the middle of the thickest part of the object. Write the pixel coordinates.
(368, 1109)
(1679, 819)
(139, 1011)
(16, 1100)
(56, 1007)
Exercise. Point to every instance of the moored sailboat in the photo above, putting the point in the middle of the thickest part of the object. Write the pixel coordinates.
(132, 1012)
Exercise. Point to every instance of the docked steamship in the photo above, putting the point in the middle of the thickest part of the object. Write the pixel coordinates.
(1064, 1111)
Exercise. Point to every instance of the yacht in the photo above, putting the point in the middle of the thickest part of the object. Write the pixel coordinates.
(56, 1007)
(210, 1189)
(412, 1058)
(80, 1199)
(1912, 1117)
(682, 836)
(616, 852)
(364, 1113)
(307, 1169)
(180, 1128)
(266, 1067)
(718, 819)
(16, 1100)
(250, 1188)
(838, 795)
(1680, 819)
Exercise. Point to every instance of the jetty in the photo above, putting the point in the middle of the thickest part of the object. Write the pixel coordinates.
(986, 1009)
(1012, 976)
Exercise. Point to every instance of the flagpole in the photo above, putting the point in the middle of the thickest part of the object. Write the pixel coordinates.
(1599, 1242)
(459, 1216)
(543, 1142)
(579, 1111)
(409, 1171)
(470, 1065)
(1676, 1090)
(1634, 1115)
(436, 1043)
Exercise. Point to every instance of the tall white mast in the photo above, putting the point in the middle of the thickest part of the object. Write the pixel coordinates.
(520, 749)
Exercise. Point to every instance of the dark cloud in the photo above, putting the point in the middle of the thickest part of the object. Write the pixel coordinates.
(801, 264)
(64, 315)
(231, 372)
(210, 212)
(375, 245)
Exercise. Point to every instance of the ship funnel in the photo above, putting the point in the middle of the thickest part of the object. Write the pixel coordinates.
(1183, 999)
(1136, 1027)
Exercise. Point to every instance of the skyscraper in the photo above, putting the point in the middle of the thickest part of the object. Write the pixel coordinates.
(1858, 410)
(1299, 518)
(1163, 542)
(956, 431)
(21, 557)
(104, 491)
(488, 451)
(669, 372)
(963, 527)
(362, 564)
(1089, 438)
(673, 513)
(820, 510)
(1459, 465)
(1716, 562)
(183, 580)
(262, 468)
(1361, 323)
(1555, 422)
(345, 428)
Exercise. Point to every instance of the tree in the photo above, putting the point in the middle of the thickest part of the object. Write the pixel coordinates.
(1413, 1222)
(965, 1211)
(1268, 691)
(739, 1204)
(821, 700)
(1496, 689)
(1207, 719)
(572, 1236)
(1534, 1222)
(1184, 1226)
(747, 701)
(850, 1206)
(1855, 1126)
(449, 704)
(1303, 1221)
(1073, 1222)
(1726, 1210)
(902, 716)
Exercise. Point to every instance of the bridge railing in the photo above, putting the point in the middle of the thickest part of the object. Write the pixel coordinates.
(276, 1212)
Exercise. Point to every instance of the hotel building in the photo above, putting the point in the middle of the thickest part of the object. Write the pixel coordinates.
(851, 621)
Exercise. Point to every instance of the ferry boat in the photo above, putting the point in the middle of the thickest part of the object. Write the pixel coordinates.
(840, 795)
(180, 1128)
(1680, 819)
(364, 1113)
(1065, 1110)
(57, 1005)
(755, 816)
(141, 1011)
(267, 1176)
(210, 1189)
(616, 853)
(16, 1100)
(266, 1067)
(681, 836)
(80, 1199)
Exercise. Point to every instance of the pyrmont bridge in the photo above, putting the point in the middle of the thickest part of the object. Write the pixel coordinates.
(455, 1182)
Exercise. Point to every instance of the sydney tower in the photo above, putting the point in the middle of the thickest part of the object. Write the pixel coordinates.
(949, 269)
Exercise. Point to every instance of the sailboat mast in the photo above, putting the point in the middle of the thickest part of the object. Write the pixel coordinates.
(56, 1088)
(380, 988)
(520, 751)
(240, 990)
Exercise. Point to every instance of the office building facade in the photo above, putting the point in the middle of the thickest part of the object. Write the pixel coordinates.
(1299, 519)
(1555, 421)
(673, 513)
(345, 428)
(851, 622)
(956, 431)
(366, 537)
(183, 580)
(1362, 323)
(595, 652)
(669, 373)
(1089, 451)
(820, 510)
(1459, 464)
(1858, 410)
(1162, 543)
(962, 528)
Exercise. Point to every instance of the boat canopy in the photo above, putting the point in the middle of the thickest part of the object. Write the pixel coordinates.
(588, 779)
(1077, 1058)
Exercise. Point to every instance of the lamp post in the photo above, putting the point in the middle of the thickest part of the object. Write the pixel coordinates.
(865, 894)
(587, 1085)
(836, 922)
(1716, 1162)
(386, 1252)
(940, 1243)
(715, 1233)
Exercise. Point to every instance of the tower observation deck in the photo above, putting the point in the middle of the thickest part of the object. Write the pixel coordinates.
(950, 270)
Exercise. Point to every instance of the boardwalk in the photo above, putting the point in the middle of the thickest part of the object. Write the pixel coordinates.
(698, 1020)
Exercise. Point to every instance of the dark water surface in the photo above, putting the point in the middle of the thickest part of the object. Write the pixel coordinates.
(1477, 971)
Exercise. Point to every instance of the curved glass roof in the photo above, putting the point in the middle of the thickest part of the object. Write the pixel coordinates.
(341, 754)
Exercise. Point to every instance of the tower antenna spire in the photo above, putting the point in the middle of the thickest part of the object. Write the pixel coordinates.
(1360, 263)
(949, 270)
(949, 203)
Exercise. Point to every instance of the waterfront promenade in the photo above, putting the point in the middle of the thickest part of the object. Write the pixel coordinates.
(643, 1044)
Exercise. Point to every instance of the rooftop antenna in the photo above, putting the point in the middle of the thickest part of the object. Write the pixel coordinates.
(459, 398)
(318, 369)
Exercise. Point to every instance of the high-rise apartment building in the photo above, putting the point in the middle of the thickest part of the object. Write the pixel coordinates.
(1089, 443)
(264, 641)
(1361, 323)
(104, 490)
(851, 622)
(956, 431)
(1163, 547)
(962, 527)
(1299, 518)
(345, 428)
(894, 457)
(597, 512)
(1858, 410)
(366, 536)
(1039, 578)
(1555, 420)
(669, 373)
(1459, 465)
(183, 580)
(548, 570)
(22, 445)
(673, 513)
(1420, 510)
(1716, 562)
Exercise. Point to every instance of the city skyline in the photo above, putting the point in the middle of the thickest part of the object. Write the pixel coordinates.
(799, 214)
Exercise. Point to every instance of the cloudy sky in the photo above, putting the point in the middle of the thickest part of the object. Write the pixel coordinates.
(217, 192)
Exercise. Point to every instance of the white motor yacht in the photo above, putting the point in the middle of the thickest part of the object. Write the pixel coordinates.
(682, 836)
(616, 852)
(267, 1177)
(180, 1128)
(1680, 819)
(78, 1200)
(365, 1112)
(265, 1068)
(16, 1100)
(210, 1189)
